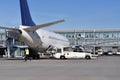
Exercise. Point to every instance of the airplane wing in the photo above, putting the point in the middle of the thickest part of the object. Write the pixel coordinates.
(9, 28)
(43, 25)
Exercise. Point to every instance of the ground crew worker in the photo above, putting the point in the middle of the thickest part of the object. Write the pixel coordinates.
(27, 54)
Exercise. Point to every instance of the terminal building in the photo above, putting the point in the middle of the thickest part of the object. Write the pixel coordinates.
(10, 47)
(105, 40)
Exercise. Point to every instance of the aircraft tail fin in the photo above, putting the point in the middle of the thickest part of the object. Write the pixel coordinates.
(25, 14)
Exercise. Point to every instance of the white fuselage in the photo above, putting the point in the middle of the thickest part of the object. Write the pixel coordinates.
(41, 39)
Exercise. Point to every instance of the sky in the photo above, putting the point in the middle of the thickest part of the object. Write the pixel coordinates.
(78, 14)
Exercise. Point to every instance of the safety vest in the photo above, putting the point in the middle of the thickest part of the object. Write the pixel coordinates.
(27, 52)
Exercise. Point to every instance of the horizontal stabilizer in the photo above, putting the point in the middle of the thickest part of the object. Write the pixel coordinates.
(9, 28)
(43, 25)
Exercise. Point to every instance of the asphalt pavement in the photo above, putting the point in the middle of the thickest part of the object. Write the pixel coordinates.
(103, 68)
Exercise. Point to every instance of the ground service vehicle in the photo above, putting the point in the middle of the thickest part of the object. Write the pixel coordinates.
(69, 52)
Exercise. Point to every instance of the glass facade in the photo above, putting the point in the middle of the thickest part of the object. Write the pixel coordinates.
(2, 38)
(11, 45)
(93, 37)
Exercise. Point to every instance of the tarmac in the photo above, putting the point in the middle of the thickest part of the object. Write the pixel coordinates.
(103, 68)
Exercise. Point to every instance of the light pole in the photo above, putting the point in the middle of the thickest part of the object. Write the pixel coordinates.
(94, 41)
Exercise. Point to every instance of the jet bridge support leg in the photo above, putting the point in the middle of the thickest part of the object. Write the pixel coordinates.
(8, 52)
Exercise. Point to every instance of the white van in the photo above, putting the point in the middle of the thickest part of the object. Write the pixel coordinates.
(69, 52)
(118, 53)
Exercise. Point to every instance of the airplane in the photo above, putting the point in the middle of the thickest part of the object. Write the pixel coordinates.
(33, 35)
